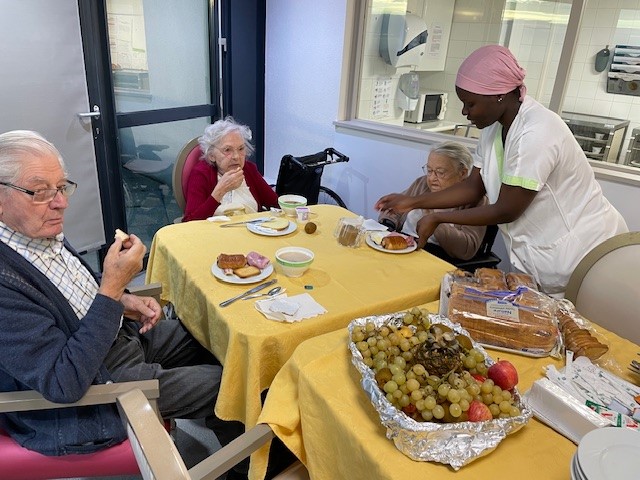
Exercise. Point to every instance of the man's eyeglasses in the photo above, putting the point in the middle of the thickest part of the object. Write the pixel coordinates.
(47, 194)
(228, 151)
(438, 172)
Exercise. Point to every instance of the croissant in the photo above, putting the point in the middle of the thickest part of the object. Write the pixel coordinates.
(394, 242)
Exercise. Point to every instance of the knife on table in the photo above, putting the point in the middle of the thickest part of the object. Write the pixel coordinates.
(249, 292)
(255, 220)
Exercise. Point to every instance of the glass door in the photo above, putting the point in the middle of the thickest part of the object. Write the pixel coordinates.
(164, 87)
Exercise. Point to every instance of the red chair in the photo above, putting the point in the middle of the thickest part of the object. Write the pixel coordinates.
(187, 158)
(19, 463)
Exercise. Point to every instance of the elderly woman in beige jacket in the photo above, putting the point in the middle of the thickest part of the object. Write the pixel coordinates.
(448, 163)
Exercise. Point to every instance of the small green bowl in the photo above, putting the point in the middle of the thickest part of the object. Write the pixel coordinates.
(288, 203)
(294, 261)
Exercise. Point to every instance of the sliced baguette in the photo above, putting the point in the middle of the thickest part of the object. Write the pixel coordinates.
(276, 224)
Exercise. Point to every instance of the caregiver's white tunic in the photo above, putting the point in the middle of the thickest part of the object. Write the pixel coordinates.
(568, 216)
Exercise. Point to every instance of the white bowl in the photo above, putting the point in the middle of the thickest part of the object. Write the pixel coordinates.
(288, 203)
(294, 261)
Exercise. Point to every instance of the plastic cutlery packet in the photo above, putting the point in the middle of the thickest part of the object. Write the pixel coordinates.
(582, 397)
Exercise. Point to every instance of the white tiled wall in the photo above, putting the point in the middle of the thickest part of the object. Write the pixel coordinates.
(605, 22)
(535, 41)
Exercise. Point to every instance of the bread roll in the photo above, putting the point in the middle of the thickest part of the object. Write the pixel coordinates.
(491, 279)
(394, 242)
(515, 280)
(231, 261)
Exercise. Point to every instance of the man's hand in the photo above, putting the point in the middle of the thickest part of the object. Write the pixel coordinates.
(145, 310)
(122, 263)
(229, 181)
(425, 228)
(395, 202)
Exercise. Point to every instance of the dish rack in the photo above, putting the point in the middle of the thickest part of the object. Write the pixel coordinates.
(624, 73)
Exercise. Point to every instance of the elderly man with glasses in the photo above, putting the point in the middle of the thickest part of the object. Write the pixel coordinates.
(63, 329)
(448, 163)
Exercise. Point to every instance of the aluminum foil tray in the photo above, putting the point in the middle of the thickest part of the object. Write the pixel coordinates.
(455, 444)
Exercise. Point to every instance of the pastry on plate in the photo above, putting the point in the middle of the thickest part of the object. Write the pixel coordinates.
(394, 242)
(231, 261)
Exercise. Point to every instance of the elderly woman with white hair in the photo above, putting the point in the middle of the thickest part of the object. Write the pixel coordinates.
(447, 164)
(224, 182)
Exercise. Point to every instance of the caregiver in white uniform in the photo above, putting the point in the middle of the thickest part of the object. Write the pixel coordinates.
(541, 188)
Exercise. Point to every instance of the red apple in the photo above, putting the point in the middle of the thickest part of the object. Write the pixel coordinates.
(503, 374)
(479, 378)
(479, 412)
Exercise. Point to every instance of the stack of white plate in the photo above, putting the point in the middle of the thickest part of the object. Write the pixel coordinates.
(608, 453)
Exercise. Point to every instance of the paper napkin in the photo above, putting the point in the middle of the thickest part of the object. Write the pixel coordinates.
(219, 218)
(274, 308)
(372, 225)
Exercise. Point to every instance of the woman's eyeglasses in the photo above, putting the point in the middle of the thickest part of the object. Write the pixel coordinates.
(45, 195)
(438, 172)
(228, 151)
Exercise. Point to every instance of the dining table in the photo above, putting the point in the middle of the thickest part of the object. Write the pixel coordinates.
(319, 410)
(347, 282)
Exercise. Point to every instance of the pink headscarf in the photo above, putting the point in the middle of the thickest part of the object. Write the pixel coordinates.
(491, 70)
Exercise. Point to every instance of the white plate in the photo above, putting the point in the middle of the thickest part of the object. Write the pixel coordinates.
(609, 453)
(270, 232)
(380, 248)
(219, 274)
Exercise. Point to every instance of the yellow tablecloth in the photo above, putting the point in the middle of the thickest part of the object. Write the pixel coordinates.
(317, 407)
(347, 282)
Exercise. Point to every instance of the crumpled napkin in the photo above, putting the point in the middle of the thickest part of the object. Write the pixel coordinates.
(372, 225)
(219, 218)
(274, 308)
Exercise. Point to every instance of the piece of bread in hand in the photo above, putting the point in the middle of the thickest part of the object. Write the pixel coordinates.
(121, 235)
(232, 261)
(394, 242)
(245, 272)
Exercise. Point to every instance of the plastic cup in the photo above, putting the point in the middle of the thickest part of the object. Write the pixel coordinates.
(302, 213)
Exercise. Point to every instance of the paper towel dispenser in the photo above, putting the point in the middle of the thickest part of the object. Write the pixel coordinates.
(403, 39)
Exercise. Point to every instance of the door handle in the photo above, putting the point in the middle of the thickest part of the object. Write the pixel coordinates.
(95, 114)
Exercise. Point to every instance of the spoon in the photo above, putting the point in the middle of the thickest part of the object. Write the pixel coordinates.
(271, 293)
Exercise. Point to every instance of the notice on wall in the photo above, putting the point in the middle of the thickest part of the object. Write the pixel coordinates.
(381, 106)
(435, 40)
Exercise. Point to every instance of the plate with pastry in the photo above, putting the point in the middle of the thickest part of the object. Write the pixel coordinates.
(391, 242)
(241, 269)
(273, 228)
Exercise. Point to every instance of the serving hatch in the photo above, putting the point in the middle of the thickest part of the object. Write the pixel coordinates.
(455, 444)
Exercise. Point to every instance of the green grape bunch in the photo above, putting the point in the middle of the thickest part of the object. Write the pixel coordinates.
(428, 372)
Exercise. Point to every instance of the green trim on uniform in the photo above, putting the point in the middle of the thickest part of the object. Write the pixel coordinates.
(499, 149)
(521, 182)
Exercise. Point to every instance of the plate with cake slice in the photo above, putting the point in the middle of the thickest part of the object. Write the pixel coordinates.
(391, 242)
(241, 269)
(273, 228)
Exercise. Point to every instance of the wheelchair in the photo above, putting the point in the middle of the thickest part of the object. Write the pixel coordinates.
(303, 175)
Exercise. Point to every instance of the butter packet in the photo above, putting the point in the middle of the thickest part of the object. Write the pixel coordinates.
(617, 419)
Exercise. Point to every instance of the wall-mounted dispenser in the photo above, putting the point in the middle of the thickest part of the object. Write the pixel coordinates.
(408, 91)
(403, 39)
